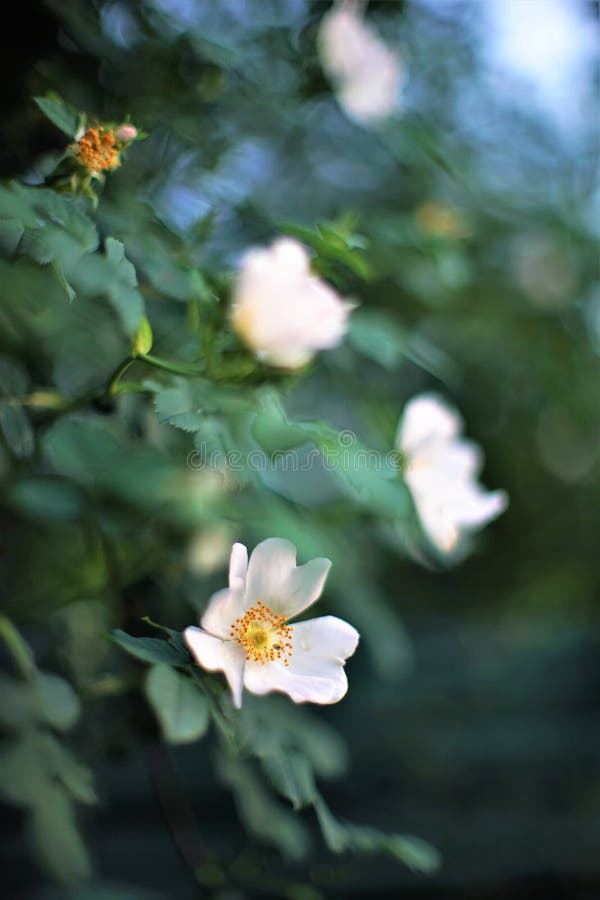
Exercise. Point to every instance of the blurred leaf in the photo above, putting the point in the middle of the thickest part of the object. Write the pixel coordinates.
(332, 245)
(13, 377)
(263, 817)
(55, 227)
(78, 779)
(180, 708)
(23, 774)
(112, 275)
(58, 703)
(16, 428)
(60, 113)
(45, 498)
(291, 775)
(55, 838)
(150, 650)
(341, 837)
(19, 706)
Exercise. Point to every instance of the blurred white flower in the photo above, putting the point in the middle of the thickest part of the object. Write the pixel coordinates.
(245, 633)
(368, 75)
(441, 472)
(281, 310)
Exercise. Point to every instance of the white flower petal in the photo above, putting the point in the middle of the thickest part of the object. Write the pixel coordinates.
(303, 587)
(367, 74)
(327, 637)
(483, 507)
(426, 418)
(238, 565)
(216, 655)
(281, 310)
(315, 673)
(223, 609)
(271, 564)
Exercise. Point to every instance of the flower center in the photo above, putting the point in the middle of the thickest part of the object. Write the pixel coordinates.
(264, 635)
(97, 150)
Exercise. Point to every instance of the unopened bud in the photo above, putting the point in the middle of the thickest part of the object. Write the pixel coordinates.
(142, 339)
(126, 133)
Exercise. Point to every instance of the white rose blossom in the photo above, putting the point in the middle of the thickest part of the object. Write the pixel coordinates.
(281, 310)
(368, 76)
(245, 633)
(441, 472)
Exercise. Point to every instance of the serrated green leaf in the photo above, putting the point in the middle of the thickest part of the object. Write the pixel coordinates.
(175, 406)
(150, 650)
(179, 706)
(60, 114)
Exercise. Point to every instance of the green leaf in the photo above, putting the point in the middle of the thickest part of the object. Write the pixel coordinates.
(23, 775)
(112, 275)
(176, 406)
(342, 837)
(262, 815)
(150, 650)
(291, 775)
(45, 498)
(19, 707)
(13, 377)
(54, 227)
(55, 839)
(180, 708)
(11, 233)
(60, 113)
(58, 703)
(16, 428)
(76, 778)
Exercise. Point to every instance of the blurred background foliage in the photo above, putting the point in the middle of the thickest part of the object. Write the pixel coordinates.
(465, 228)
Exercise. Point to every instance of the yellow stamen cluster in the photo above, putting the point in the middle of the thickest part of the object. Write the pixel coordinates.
(98, 150)
(264, 635)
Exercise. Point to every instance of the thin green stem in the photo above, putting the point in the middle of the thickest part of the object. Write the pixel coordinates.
(18, 649)
(112, 387)
(166, 366)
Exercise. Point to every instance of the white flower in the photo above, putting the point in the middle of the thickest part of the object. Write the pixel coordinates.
(245, 633)
(441, 473)
(367, 74)
(281, 310)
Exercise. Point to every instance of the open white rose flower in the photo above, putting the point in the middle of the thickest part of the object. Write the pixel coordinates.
(245, 631)
(368, 76)
(281, 310)
(441, 472)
